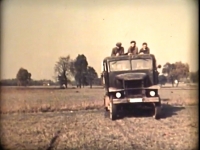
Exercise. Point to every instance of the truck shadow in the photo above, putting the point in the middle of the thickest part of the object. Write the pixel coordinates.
(170, 110)
(166, 112)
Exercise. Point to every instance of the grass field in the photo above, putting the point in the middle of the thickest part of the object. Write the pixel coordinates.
(52, 118)
(49, 99)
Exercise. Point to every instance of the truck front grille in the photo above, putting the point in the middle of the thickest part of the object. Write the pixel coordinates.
(133, 84)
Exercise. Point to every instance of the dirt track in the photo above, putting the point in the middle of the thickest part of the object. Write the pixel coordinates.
(89, 129)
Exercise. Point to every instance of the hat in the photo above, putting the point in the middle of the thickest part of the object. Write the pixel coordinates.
(118, 44)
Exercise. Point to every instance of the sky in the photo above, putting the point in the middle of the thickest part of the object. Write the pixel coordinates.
(36, 33)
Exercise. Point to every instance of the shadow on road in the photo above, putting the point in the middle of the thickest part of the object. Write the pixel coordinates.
(170, 110)
(167, 111)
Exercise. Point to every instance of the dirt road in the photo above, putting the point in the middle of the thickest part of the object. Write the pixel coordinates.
(90, 130)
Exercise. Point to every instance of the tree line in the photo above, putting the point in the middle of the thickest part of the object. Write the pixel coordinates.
(78, 72)
(177, 71)
(32, 82)
(68, 71)
(77, 69)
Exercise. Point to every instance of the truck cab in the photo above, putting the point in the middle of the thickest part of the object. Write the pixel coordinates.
(130, 80)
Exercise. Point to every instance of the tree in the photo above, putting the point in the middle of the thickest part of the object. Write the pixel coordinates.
(194, 76)
(79, 69)
(91, 75)
(176, 71)
(23, 77)
(63, 70)
(8, 82)
(162, 79)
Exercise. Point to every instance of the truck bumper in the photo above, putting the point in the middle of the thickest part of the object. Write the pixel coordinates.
(136, 100)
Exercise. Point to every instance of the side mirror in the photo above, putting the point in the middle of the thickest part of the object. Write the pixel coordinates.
(159, 66)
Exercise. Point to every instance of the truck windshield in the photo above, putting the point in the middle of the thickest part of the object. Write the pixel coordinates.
(120, 65)
(140, 64)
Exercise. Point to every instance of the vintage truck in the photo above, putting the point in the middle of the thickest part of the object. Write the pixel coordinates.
(130, 81)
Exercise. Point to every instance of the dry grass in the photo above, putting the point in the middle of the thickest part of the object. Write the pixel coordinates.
(87, 128)
(180, 96)
(34, 100)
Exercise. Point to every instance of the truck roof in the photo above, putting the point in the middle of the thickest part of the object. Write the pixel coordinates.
(123, 57)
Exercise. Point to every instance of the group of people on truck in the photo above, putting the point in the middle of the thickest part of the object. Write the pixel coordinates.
(132, 50)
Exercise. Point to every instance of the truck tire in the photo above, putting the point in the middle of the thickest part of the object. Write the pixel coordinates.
(157, 114)
(113, 110)
(106, 102)
(157, 110)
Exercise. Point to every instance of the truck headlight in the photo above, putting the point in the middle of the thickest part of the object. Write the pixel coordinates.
(118, 95)
(152, 93)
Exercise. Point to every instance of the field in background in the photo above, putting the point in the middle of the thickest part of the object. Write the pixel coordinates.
(49, 117)
(40, 99)
(43, 99)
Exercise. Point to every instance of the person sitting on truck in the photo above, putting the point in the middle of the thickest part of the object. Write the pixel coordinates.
(145, 49)
(133, 49)
(118, 50)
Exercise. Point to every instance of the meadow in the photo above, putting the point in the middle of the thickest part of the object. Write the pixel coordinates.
(53, 118)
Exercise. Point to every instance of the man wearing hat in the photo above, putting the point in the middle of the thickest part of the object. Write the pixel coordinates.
(118, 50)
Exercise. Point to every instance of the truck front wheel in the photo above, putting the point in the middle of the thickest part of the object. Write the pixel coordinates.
(157, 111)
(113, 110)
